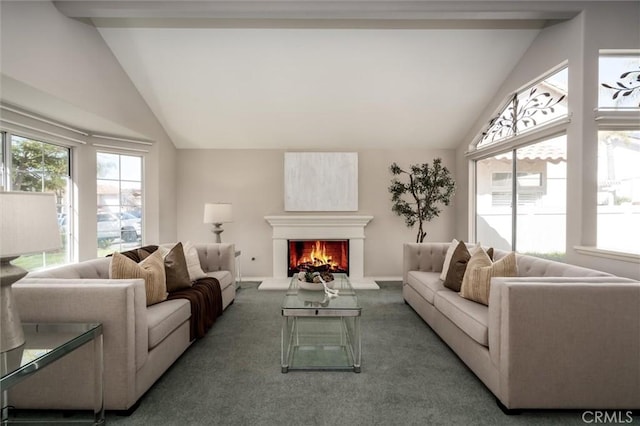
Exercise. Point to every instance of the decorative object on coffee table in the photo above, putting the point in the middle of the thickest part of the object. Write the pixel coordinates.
(428, 185)
(217, 214)
(317, 281)
(28, 224)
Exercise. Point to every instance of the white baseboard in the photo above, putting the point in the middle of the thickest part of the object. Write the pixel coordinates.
(255, 279)
(376, 278)
(283, 284)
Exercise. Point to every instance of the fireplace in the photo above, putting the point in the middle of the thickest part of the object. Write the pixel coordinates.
(318, 228)
(318, 255)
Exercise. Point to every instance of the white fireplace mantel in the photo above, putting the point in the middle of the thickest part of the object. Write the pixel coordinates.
(327, 227)
(303, 227)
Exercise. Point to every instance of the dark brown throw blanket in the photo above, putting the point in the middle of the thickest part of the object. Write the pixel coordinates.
(205, 297)
(138, 254)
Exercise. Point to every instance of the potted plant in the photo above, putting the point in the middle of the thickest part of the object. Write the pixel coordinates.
(427, 188)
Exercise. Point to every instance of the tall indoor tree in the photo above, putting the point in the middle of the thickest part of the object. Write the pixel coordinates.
(427, 188)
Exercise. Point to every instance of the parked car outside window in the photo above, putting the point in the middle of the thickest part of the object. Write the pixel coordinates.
(112, 226)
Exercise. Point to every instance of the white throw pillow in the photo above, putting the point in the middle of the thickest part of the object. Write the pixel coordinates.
(193, 262)
(447, 259)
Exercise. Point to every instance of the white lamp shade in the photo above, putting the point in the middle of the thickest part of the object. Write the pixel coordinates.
(218, 213)
(28, 223)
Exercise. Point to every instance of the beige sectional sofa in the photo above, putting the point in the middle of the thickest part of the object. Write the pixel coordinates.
(140, 342)
(555, 336)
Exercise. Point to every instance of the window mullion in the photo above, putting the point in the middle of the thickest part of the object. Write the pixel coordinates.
(514, 199)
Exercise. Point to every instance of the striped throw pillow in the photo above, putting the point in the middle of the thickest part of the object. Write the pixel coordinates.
(476, 284)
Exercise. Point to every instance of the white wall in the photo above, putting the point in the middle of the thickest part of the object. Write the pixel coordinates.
(68, 60)
(253, 180)
(600, 26)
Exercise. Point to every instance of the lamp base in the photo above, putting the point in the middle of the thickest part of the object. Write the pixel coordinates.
(11, 335)
(217, 229)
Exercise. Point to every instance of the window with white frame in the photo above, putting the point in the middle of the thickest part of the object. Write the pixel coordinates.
(526, 139)
(37, 166)
(120, 202)
(529, 109)
(3, 138)
(618, 119)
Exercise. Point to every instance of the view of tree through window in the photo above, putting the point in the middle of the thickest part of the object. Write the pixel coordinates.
(119, 191)
(36, 166)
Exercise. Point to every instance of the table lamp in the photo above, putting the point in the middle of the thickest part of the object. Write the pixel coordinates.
(28, 224)
(217, 214)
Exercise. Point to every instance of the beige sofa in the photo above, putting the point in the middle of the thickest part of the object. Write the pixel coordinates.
(556, 336)
(140, 342)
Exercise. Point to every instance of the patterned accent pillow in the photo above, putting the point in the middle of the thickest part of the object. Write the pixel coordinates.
(151, 270)
(476, 284)
(193, 262)
(175, 267)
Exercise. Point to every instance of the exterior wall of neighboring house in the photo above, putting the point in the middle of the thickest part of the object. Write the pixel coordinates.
(541, 202)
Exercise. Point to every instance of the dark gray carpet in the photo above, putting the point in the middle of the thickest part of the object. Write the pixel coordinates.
(409, 376)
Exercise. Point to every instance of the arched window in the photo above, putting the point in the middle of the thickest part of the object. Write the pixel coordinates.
(528, 109)
(519, 169)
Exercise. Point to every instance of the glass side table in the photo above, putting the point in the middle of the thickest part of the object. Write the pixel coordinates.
(44, 344)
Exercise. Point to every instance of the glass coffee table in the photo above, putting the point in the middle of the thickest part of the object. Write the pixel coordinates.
(318, 332)
(44, 344)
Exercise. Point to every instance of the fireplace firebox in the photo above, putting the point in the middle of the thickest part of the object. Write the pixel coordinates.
(331, 255)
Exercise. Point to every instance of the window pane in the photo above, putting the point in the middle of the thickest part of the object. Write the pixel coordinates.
(500, 127)
(530, 108)
(42, 167)
(543, 102)
(493, 202)
(108, 192)
(3, 136)
(131, 194)
(131, 168)
(108, 166)
(619, 190)
(529, 180)
(501, 179)
(619, 82)
(119, 200)
(542, 194)
(25, 164)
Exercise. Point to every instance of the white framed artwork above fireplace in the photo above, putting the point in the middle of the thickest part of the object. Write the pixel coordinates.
(318, 227)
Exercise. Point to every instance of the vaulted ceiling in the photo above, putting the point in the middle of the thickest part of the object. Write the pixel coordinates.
(316, 74)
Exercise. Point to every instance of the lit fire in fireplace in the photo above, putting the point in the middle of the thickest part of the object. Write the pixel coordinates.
(318, 255)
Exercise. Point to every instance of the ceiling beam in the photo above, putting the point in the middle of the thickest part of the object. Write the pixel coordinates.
(411, 14)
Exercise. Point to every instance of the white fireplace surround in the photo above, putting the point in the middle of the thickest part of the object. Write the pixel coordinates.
(318, 227)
